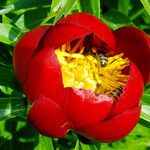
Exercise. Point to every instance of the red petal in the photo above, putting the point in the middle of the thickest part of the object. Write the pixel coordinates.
(84, 107)
(113, 129)
(132, 92)
(93, 24)
(44, 77)
(24, 50)
(136, 45)
(63, 33)
(47, 118)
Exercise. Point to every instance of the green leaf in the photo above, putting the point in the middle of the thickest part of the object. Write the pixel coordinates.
(64, 8)
(124, 6)
(8, 79)
(6, 20)
(30, 19)
(146, 98)
(116, 19)
(145, 116)
(146, 95)
(146, 4)
(147, 89)
(96, 7)
(44, 143)
(11, 107)
(89, 6)
(87, 146)
(7, 2)
(92, 146)
(77, 146)
(7, 9)
(56, 4)
(58, 9)
(23, 4)
(146, 18)
(5, 55)
(9, 34)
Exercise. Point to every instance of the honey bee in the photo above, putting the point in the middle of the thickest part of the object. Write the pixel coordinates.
(102, 59)
(117, 92)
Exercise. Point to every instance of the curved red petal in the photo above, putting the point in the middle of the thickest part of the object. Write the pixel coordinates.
(47, 117)
(84, 107)
(136, 45)
(93, 24)
(113, 129)
(25, 49)
(132, 92)
(63, 33)
(44, 77)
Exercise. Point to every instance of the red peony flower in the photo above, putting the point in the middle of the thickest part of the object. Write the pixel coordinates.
(79, 75)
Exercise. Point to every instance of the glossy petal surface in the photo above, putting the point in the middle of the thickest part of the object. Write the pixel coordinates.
(25, 49)
(84, 107)
(93, 24)
(47, 117)
(44, 78)
(113, 129)
(136, 45)
(131, 94)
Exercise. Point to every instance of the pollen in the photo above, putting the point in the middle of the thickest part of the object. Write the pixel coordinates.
(91, 71)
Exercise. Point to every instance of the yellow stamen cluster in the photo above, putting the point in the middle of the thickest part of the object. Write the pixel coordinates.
(86, 72)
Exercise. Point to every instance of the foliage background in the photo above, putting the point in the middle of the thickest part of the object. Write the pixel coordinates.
(18, 17)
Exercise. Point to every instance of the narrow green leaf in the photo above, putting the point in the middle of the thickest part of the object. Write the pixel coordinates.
(147, 89)
(77, 147)
(85, 6)
(30, 19)
(12, 106)
(146, 98)
(146, 4)
(136, 14)
(146, 95)
(23, 4)
(5, 55)
(7, 2)
(6, 20)
(145, 116)
(20, 23)
(124, 6)
(8, 79)
(44, 143)
(56, 4)
(7, 9)
(9, 34)
(116, 19)
(87, 146)
(89, 6)
(64, 9)
(96, 7)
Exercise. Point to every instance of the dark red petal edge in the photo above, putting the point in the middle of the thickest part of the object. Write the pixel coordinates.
(47, 117)
(83, 107)
(25, 49)
(135, 44)
(113, 129)
(132, 92)
(63, 33)
(93, 24)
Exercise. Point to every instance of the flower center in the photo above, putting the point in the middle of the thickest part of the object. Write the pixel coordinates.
(92, 70)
